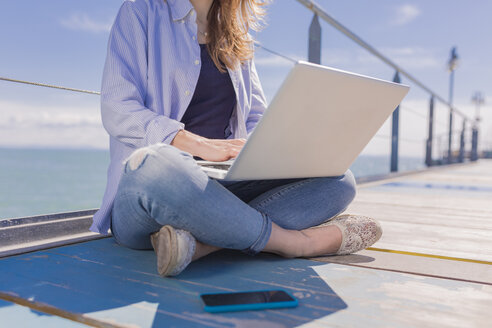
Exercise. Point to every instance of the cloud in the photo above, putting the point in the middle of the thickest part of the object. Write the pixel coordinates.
(19, 115)
(82, 22)
(405, 14)
(24, 125)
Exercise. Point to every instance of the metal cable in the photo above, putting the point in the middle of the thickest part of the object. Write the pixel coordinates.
(256, 43)
(446, 134)
(412, 140)
(50, 86)
(274, 52)
(408, 109)
(316, 9)
(401, 106)
(387, 137)
(413, 111)
(99, 93)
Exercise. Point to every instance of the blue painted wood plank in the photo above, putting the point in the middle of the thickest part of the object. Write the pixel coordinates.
(377, 298)
(443, 211)
(106, 281)
(110, 283)
(14, 315)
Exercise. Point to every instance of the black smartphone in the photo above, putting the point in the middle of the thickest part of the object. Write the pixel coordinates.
(248, 300)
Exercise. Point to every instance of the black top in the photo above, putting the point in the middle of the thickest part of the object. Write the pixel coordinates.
(210, 109)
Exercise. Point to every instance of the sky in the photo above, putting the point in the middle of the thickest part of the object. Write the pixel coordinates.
(64, 43)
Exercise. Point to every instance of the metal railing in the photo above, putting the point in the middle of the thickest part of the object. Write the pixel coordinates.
(49, 86)
(314, 55)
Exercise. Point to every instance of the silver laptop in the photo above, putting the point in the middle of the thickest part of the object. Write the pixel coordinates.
(316, 125)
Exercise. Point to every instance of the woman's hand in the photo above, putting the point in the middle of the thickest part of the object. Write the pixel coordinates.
(216, 150)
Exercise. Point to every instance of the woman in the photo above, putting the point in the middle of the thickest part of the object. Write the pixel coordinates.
(179, 81)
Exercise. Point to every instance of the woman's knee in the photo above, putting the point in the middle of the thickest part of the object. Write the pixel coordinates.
(350, 185)
(339, 193)
(162, 175)
(131, 226)
(344, 188)
(134, 241)
(166, 153)
(159, 164)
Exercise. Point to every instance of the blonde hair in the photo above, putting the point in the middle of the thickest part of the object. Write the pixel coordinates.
(228, 37)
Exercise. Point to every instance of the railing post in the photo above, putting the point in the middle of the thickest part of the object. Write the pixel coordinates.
(452, 64)
(474, 150)
(462, 143)
(450, 136)
(394, 132)
(428, 149)
(440, 151)
(314, 46)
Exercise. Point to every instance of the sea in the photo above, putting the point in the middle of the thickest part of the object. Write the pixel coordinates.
(36, 181)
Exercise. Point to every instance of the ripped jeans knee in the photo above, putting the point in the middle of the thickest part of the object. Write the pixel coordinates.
(136, 159)
(166, 153)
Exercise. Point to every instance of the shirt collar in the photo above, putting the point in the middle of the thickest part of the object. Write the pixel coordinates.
(179, 8)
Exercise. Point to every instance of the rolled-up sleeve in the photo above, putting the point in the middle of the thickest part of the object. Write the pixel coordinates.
(124, 84)
(258, 100)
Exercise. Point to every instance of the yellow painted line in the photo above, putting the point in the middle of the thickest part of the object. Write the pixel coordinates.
(428, 255)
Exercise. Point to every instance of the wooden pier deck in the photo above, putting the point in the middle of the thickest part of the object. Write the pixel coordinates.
(431, 268)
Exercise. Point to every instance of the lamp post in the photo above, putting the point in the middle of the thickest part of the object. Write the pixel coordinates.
(452, 65)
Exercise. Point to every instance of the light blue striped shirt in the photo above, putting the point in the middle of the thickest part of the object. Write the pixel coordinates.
(151, 70)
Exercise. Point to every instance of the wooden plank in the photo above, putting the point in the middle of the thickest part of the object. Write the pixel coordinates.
(106, 279)
(386, 299)
(14, 315)
(103, 281)
(443, 212)
(420, 265)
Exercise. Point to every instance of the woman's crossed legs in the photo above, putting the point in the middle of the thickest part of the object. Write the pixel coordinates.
(162, 185)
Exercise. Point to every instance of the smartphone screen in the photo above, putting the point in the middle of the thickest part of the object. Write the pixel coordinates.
(255, 297)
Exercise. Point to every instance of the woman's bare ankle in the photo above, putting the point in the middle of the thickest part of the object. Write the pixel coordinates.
(322, 241)
(286, 243)
(202, 250)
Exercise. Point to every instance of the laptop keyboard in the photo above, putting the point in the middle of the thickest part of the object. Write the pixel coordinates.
(217, 166)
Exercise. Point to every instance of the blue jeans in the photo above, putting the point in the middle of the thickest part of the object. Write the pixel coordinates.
(167, 187)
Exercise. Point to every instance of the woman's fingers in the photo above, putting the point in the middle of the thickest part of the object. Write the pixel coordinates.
(209, 149)
(219, 150)
(218, 153)
(238, 141)
(229, 141)
(234, 151)
(228, 151)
